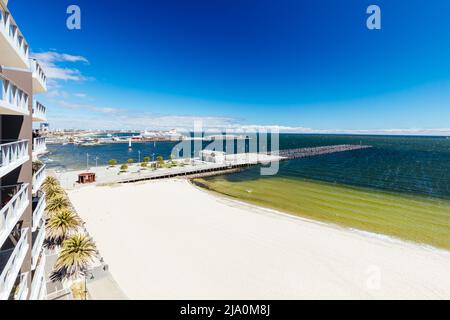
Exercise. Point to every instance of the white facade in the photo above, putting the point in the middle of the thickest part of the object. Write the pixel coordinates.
(212, 156)
(39, 77)
(39, 112)
(13, 101)
(22, 255)
(13, 46)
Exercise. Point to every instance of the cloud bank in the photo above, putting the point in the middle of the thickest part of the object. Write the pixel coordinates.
(52, 61)
(116, 119)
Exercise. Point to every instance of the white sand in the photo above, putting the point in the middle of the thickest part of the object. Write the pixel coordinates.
(170, 240)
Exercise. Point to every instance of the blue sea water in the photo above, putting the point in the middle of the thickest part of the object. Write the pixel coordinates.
(418, 165)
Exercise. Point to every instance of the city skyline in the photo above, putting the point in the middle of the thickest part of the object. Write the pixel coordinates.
(300, 66)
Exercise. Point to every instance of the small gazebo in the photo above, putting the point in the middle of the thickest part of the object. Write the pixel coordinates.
(86, 177)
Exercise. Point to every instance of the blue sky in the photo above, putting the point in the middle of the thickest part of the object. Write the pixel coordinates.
(301, 65)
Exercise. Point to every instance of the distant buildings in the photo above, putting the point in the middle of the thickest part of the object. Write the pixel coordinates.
(212, 156)
(171, 135)
(45, 128)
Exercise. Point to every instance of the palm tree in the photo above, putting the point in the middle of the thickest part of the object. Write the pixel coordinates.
(57, 203)
(160, 161)
(49, 181)
(36, 165)
(60, 226)
(77, 253)
(53, 191)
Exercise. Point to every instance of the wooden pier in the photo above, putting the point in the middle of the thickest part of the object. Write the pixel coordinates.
(238, 163)
(311, 152)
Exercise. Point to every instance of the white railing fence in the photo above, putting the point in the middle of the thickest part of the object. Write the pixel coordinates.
(39, 145)
(11, 212)
(12, 33)
(12, 267)
(38, 179)
(39, 110)
(12, 96)
(13, 152)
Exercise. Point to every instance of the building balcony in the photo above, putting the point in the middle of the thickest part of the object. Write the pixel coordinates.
(20, 289)
(38, 238)
(14, 201)
(13, 46)
(38, 205)
(39, 112)
(11, 259)
(12, 155)
(39, 146)
(13, 100)
(38, 178)
(39, 77)
(38, 283)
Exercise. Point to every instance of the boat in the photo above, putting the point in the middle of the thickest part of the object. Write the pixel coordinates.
(89, 144)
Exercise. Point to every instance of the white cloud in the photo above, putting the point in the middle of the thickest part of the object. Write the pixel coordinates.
(53, 56)
(84, 107)
(117, 119)
(51, 62)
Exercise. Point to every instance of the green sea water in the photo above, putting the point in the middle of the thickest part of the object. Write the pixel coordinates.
(400, 187)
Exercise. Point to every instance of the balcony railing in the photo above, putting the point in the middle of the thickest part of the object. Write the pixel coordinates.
(13, 46)
(38, 179)
(39, 146)
(38, 210)
(13, 100)
(12, 155)
(39, 77)
(14, 201)
(38, 240)
(38, 289)
(39, 112)
(11, 260)
(20, 292)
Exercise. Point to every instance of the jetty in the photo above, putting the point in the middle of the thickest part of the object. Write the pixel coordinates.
(236, 162)
(311, 152)
(199, 167)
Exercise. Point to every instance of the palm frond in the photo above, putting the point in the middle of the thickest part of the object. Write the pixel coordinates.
(77, 253)
(53, 191)
(60, 226)
(56, 204)
(49, 182)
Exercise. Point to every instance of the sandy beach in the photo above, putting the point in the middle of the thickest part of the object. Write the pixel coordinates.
(170, 240)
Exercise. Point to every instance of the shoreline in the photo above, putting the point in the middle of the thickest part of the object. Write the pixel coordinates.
(209, 246)
(380, 236)
(196, 181)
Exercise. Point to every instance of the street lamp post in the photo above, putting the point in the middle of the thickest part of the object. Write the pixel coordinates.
(139, 153)
(91, 277)
(87, 161)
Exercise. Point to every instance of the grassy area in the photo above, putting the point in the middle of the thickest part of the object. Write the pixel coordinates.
(415, 218)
